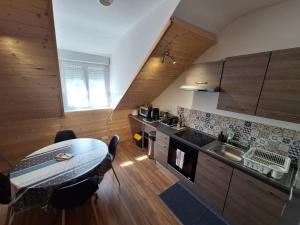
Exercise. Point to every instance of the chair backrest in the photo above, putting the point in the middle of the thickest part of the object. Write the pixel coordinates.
(5, 193)
(73, 195)
(64, 135)
(112, 148)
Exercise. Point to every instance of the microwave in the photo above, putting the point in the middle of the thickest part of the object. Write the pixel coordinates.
(143, 111)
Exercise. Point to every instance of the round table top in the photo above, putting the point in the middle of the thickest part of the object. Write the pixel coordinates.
(41, 169)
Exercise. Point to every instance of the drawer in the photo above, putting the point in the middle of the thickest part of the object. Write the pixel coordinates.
(162, 138)
(212, 181)
(214, 165)
(148, 128)
(161, 147)
(212, 194)
(248, 187)
(251, 201)
(160, 155)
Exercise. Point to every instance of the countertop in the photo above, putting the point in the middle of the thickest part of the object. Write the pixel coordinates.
(284, 184)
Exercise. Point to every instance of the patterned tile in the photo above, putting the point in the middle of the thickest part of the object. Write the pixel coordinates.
(283, 141)
(288, 133)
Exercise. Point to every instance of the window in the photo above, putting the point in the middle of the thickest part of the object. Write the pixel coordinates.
(84, 85)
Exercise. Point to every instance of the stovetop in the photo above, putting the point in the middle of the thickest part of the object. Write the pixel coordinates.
(196, 137)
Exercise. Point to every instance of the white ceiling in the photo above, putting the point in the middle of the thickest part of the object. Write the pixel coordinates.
(214, 15)
(87, 26)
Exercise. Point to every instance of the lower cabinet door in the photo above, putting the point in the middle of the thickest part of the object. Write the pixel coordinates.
(212, 181)
(161, 153)
(252, 202)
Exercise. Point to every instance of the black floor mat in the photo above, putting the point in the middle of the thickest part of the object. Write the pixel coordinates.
(188, 209)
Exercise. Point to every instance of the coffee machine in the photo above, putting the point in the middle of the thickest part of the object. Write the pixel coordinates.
(152, 114)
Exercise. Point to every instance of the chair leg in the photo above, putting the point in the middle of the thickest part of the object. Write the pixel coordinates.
(8, 215)
(96, 197)
(95, 212)
(115, 175)
(56, 216)
(63, 217)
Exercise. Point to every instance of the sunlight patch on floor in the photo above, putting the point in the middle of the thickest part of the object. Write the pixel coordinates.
(128, 163)
(141, 158)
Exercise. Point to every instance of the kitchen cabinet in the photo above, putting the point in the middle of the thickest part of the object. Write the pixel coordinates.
(161, 148)
(242, 82)
(135, 125)
(204, 76)
(212, 181)
(280, 96)
(138, 126)
(252, 202)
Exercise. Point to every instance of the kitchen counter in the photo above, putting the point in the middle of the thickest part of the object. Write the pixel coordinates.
(284, 184)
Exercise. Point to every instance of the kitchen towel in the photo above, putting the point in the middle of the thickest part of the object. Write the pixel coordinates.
(179, 158)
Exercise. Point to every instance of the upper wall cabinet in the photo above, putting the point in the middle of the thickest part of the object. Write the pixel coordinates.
(242, 81)
(280, 97)
(203, 77)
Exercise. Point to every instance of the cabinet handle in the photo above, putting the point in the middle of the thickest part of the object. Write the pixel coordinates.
(283, 209)
(199, 82)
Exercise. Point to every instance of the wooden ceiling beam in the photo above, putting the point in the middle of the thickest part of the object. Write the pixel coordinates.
(186, 43)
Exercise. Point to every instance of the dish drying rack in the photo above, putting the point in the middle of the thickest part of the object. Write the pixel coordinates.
(265, 161)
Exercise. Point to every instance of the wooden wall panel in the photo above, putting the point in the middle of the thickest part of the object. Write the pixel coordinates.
(18, 139)
(184, 42)
(29, 82)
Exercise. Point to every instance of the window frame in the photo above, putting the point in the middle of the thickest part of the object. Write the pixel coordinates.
(84, 65)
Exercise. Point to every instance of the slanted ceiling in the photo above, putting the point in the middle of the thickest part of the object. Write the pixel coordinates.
(186, 43)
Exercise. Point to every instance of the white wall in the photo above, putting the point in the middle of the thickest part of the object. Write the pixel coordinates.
(272, 28)
(136, 46)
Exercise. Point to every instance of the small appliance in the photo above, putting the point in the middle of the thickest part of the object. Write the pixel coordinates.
(155, 114)
(169, 119)
(143, 111)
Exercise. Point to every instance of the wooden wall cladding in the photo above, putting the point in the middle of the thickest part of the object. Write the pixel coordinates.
(18, 139)
(280, 96)
(184, 42)
(29, 81)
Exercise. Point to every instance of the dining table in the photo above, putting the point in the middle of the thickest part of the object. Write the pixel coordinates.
(36, 176)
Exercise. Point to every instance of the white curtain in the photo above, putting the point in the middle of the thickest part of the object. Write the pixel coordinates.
(84, 85)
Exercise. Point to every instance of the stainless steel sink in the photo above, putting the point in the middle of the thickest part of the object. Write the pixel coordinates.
(229, 152)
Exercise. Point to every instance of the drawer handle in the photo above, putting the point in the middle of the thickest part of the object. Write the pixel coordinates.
(283, 209)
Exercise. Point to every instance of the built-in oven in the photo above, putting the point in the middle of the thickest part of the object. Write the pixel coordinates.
(183, 158)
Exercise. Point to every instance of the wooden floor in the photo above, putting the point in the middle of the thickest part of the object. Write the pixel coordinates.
(135, 202)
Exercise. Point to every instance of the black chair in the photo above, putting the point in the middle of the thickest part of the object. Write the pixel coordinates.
(74, 195)
(112, 149)
(5, 197)
(5, 193)
(64, 135)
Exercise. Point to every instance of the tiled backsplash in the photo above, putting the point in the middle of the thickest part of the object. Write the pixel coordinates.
(280, 140)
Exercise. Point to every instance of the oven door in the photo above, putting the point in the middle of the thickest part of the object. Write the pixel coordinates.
(189, 164)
